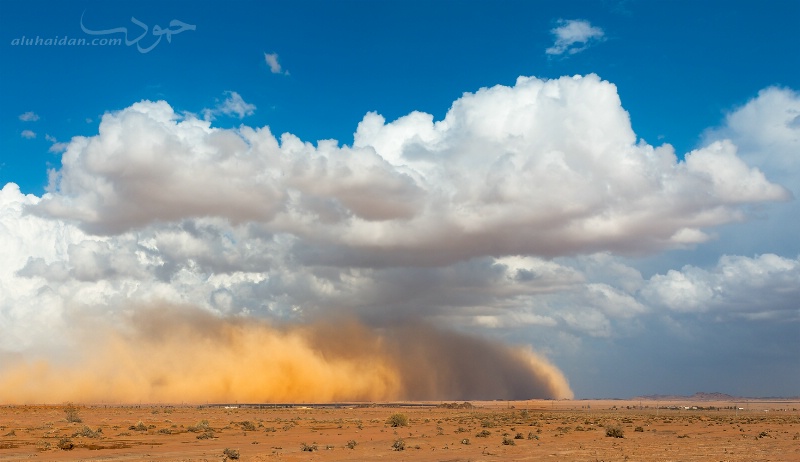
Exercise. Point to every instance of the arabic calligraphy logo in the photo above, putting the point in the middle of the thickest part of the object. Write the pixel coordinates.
(157, 32)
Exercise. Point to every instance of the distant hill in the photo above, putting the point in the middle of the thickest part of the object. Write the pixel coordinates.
(701, 396)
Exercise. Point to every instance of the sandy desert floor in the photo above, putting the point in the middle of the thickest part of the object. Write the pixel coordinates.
(485, 431)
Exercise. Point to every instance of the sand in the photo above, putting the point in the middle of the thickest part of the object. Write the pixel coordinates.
(521, 430)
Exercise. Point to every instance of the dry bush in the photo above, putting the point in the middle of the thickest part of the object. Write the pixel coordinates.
(71, 412)
(399, 445)
(139, 427)
(615, 432)
(308, 448)
(248, 426)
(201, 426)
(66, 444)
(398, 420)
(464, 405)
(232, 454)
(87, 432)
(508, 441)
(351, 444)
(483, 434)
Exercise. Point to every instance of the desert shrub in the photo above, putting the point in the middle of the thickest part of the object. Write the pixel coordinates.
(165, 431)
(139, 427)
(483, 433)
(464, 405)
(207, 435)
(201, 426)
(66, 444)
(763, 435)
(72, 413)
(248, 426)
(398, 420)
(465, 441)
(638, 429)
(351, 444)
(399, 445)
(518, 436)
(309, 448)
(508, 441)
(615, 432)
(532, 436)
(232, 454)
(486, 423)
(87, 432)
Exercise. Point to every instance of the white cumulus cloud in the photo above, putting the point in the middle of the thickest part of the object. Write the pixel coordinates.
(542, 168)
(233, 106)
(56, 146)
(29, 116)
(274, 66)
(524, 208)
(766, 133)
(573, 36)
(766, 286)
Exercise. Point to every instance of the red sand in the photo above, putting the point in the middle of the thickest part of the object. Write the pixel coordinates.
(522, 430)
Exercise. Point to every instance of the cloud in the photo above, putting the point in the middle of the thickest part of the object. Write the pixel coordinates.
(573, 36)
(764, 287)
(28, 134)
(235, 105)
(274, 65)
(768, 138)
(767, 131)
(232, 106)
(521, 215)
(501, 167)
(56, 147)
(29, 116)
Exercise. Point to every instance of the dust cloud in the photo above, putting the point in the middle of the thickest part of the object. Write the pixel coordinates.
(184, 355)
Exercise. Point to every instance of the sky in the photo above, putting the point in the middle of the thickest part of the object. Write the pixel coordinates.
(597, 199)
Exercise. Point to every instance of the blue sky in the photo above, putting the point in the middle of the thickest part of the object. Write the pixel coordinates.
(690, 263)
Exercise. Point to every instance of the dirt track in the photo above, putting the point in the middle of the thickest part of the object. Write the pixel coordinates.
(529, 430)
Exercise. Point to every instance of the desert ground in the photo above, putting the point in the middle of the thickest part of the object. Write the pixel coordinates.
(564, 430)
